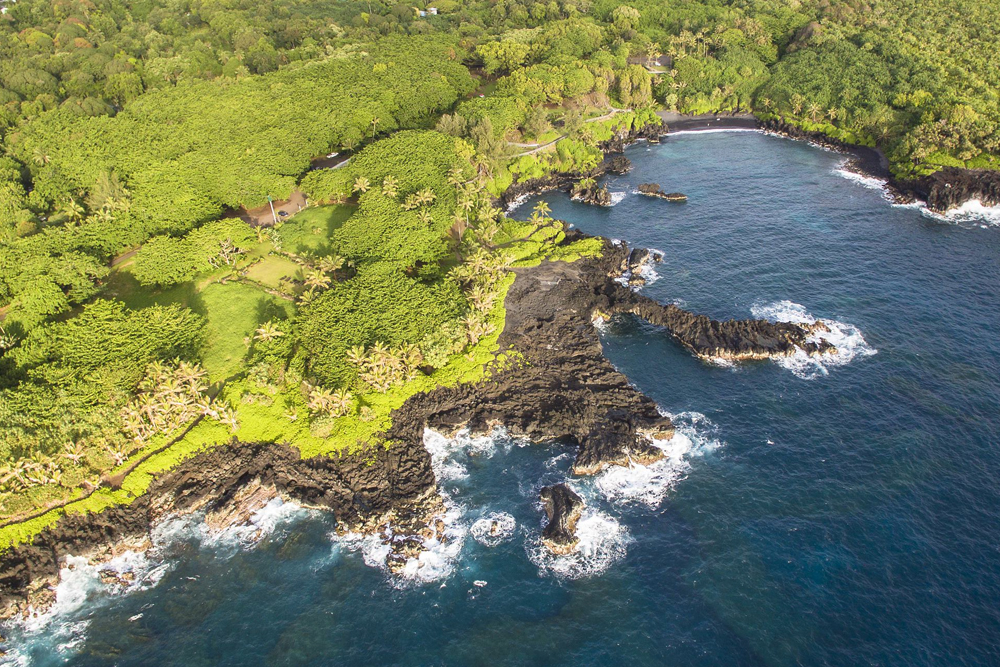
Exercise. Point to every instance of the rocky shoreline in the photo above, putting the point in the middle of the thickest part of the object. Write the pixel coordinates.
(943, 190)
(564, 389)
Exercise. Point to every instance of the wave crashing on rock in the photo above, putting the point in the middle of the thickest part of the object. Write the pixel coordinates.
(847, 340)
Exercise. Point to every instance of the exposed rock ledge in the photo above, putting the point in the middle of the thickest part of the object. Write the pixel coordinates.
(564, 390)
(563, 506)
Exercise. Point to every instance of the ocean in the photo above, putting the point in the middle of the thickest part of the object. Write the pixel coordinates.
(834, 512)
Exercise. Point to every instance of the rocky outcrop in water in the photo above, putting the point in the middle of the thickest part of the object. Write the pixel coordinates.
(654, 190)
(617, 164)
(595, 195)
(735, 340)
(563, 507)
(621, 141)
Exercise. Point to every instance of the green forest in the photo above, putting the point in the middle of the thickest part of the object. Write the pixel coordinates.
(142, 320)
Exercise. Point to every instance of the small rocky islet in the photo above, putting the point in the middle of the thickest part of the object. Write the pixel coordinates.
(654, 190)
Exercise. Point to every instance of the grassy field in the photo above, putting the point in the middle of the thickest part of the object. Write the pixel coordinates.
(310, 230)
(272, 269)
(233, 310)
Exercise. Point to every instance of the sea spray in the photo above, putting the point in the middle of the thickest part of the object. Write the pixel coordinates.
(846, 338)
(438, 557)
(603, 541)
(494, 529)
(648, 485)
(85, 587)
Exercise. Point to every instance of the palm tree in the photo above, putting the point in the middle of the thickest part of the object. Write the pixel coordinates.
(356, 356)
(375, 121)
(74, 451)
(73, 211)
(319, 399)
(39, 156)
(832, 113)
(425, 216)
(331, 263)
(813, 110)
(411, 202)
(380, 351)
(361, 184)
(341, 403)
(228, 416)
(796, 104)
(426, 196)
(317, 279)
(767, 102)
(455, 176)
(389, 187)
(543, 208)
(466, 204)
(268, 331)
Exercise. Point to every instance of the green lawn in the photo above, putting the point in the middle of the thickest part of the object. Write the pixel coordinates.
(272, 269)
(310, 230)
(233, 311)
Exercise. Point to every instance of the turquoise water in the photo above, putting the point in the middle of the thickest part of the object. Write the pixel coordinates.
(844, 514)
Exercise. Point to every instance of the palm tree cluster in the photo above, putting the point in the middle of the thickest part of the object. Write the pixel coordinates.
(335, 403)
(170, 396)
(418, 199)
(318, 272)
(383, 367)
(36, 470)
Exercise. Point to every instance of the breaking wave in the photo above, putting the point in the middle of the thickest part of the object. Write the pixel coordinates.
(971, 212)
(84, 586)
(694, 436)
(846, 338)
(603, 541)
(494, 529)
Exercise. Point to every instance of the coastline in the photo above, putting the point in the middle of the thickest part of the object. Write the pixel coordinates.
(549, 315)
(943, 191)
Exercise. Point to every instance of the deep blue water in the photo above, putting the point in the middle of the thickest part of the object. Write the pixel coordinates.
(845, 515)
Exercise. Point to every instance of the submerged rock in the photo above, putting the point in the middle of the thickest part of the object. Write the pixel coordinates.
(563, 507)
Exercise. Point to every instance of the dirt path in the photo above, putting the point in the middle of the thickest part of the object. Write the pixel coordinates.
(539, 147)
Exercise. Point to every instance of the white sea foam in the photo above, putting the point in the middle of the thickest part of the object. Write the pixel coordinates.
(603, 541)
(265, 521)
(517, 202)
(494, 528)
(59, 629)
(869, 182)
(439, 557)
(649, 484)
(846, 338)
(971, 212)
(616, 197)
(80, 584)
